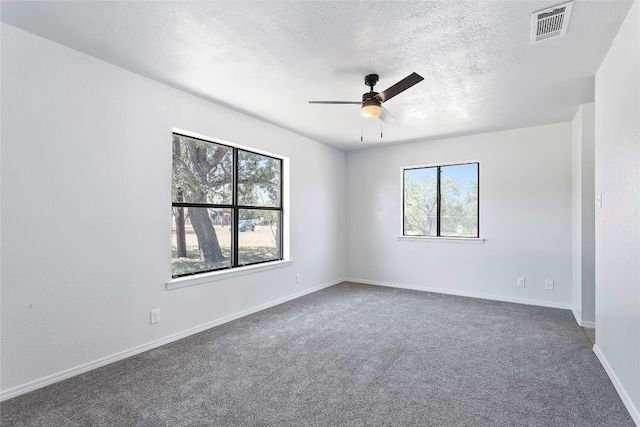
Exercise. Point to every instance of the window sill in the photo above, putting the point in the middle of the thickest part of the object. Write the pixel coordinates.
(198, 279)
(467, 240)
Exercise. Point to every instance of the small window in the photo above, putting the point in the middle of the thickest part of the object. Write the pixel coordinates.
(226, 207)
(441, 201)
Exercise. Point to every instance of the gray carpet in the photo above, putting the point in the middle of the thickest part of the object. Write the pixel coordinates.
(350, 355)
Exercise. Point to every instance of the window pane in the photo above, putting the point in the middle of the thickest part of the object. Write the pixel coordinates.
(459, 199)
(258, 180)
(201, 240)
(202, 171)
(420, 202)
(258, 236)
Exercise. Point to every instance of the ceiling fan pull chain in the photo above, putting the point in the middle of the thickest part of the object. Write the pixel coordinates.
(380, 129)
(361, 130)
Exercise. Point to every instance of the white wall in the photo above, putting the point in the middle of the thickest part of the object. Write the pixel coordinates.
(583, 215)
(618, 221)
(525, 217)
(86, 174)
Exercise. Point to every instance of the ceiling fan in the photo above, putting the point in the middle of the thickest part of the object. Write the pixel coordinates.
(372, 101)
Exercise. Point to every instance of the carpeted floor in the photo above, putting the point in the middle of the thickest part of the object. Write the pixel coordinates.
(350, 355)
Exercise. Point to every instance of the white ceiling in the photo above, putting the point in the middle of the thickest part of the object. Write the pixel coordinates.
(269, 58)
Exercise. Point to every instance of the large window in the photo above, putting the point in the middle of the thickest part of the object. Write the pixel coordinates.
(226, 207)
(441, 201)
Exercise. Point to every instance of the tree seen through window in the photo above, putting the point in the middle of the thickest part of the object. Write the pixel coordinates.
(441, 201)
(226, 206)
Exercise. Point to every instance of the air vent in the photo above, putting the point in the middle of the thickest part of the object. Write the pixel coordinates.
(550, 23)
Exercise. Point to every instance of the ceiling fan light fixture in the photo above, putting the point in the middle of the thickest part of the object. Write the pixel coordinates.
(371, 108)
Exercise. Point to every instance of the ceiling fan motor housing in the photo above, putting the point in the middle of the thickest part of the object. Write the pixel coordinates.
(370, 95)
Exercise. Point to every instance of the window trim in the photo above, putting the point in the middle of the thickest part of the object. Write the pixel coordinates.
(442, 239)
(438, 238)
(238, 270)
(213, 276)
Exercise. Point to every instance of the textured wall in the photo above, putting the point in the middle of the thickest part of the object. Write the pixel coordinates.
(86, 174)
(583, 215)
(525, 215)
(618, 221)
(576, 215)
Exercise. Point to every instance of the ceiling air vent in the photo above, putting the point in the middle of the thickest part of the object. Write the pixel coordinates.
(550, 23)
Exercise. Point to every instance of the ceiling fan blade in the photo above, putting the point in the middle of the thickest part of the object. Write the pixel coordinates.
(386, 116)
(401, 86)
(335, 102)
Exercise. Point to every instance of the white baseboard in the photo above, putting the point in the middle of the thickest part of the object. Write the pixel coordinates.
(463, 293)
(583, 323)
(628, 403)
(51, 379)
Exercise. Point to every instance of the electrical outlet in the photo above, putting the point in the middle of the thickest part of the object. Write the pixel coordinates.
(155, 315)
(298, 278)
(521, 282)
(548, 284)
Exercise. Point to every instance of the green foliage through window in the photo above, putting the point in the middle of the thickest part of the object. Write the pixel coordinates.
(226, 207)
(441, 201)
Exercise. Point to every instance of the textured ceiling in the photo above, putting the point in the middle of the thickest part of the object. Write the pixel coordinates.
(268, 58)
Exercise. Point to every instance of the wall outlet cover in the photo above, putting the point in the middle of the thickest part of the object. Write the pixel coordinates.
(155, 315)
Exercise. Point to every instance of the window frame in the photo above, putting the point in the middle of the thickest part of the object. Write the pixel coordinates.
(235, 269)
(438, 236)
